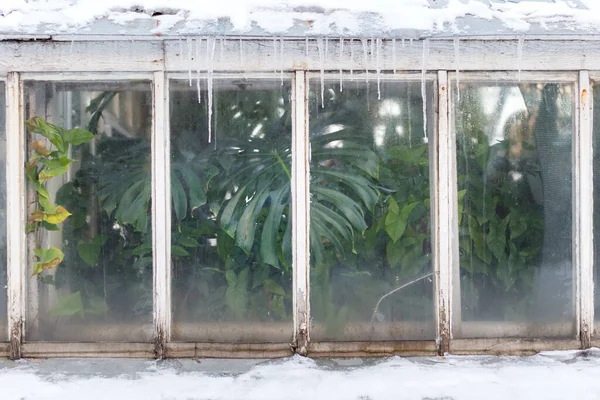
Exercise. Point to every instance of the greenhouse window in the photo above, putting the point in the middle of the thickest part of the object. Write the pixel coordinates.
(260, 197)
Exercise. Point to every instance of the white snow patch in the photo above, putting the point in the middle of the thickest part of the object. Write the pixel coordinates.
(562, 375)
(320, 17)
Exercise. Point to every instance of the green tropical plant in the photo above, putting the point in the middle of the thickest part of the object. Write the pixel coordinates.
(44, 164)
(231, 231)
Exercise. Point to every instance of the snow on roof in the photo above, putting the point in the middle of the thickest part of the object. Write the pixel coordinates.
(547, 376)
(383, 18)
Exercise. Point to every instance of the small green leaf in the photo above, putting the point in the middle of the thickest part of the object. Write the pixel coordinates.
(68, 305)
(394, 253)
(273, 287)
(396, 220)
(187, 241)
(236, 295)
(89, 252)
(268, 240)
(179, 251)
(47, 259)
(77, 136)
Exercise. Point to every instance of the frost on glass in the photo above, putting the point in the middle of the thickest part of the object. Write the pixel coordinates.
(3, 294)
(514, 165)
(370, 225)
(231, 210)
(102, 289)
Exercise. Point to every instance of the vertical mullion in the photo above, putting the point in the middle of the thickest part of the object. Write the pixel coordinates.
(444, 214)
(15, 211)
(584, 210)
(300, 213)
(161, 213)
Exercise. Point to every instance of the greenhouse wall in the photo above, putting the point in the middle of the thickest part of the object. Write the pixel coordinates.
(236, 196)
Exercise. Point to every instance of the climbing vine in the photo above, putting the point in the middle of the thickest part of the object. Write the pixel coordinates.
(48, 161)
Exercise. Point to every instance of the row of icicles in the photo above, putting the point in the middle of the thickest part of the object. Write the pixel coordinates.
(196, 52)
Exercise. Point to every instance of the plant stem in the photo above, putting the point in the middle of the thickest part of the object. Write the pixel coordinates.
(287, 171)
(376, 309)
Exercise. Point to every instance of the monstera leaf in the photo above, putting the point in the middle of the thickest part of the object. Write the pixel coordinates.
(125, 183)
(256, 213)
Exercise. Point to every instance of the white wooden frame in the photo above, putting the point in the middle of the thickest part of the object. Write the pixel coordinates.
(158, 60)
(19, 269)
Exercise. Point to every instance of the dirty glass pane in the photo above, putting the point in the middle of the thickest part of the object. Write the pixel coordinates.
(231, 205)
(370, 225)
(514, 190)
(3, 305)
(93, 163)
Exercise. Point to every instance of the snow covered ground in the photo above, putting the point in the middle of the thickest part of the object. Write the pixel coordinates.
(551, 375)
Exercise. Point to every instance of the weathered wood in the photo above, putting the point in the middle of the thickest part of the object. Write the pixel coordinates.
(510, 346)
(442, 221)
(85, 350)
(583, 197)
(373, 349)
(161, 213)
(5, 350)
(301, 214)
(147, 55)
(229, 350)
(475, 55)
(50, 56)
(15, 211)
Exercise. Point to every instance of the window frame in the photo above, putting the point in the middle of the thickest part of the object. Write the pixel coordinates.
(158, 60)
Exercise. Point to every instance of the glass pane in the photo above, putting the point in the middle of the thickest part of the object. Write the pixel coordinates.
(370, 226)
(514, 189)
(3, 294)
(94, 163)
(231, 229)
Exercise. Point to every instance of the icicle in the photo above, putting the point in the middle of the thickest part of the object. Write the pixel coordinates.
(241, 53)
(274, 54)
(394, 55)
(190, 58)
(210, 60)
(341, 63)
(457, 62)
(365, 57)
(372, 51)
(351, 59)
(402, 43)
(320, 48)
(411, 42)
(281, 59)
(306, 49)
(378, 69)
(520, 54)
(198, 43)
(181, 47)
(326, 49)
(424, 83)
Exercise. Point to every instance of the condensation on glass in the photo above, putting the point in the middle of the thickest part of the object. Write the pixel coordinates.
(102, 289)
(231, 210)
(3, 294)
(514, 165)
(370, 225)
